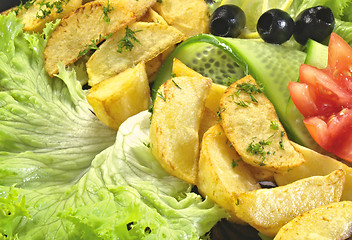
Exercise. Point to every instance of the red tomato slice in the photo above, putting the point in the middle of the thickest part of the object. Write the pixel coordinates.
(324, 97)
(303, 98)
(334, 134)
(340, 54)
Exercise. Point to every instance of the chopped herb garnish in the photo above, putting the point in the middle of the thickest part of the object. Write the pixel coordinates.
(93, 45)
(127, 42)
(274, 126)
(250, 89)
(160, 95)
(218, 113)
(45, 7)
(259, 148)
(281, 143)
(241, 103)
(173, 75)
(176, 84)
(106, 10)
(146, 144)
(234, 163)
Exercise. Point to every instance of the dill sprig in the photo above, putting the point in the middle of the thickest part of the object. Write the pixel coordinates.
(93, 45)
(106, 10)
(127, 42)
(45, 7)
(250, 89)
(259, 149)
(274, 125)
(178, 86)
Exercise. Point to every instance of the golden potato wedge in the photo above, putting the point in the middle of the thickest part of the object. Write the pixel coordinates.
(329, 222)
(214, 97)
(208, 120)
(34, 18)
(262, 174)
(252, 126)
(216, 91)
(222, 174)
(153, 39)
(174, 138)
(153, 16)
(120, 97)
(91, 22)
(268, 210)
(153, 65)
(180, 69)
(190, 17)
(316, 164)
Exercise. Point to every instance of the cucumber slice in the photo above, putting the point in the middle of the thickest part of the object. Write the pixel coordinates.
(317, 54)
(210, 61)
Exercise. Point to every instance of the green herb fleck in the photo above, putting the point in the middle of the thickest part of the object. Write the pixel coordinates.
(234, 163)
(106, 10)
(218, 113)
(45, 7)
(127, 42)
(259, 148)
(250, 89)
(274, 126)
(281, 143)
(173, 75)
(241, 103)
(93, 45)
(160, 95)
(176, 84)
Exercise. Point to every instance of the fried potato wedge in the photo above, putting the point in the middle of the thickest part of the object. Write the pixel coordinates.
(268, 210)
(36, 16)
(222, 174)
(208, 120)
(316, 164)
(252, 126)
(174, 138)
(329, 222)
(91, 22)
(153, 39)
(153, 16)
(216, 91)
(181, 69)
(190, 17)
(120, 97)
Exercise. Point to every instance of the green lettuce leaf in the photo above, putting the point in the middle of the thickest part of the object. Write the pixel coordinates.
(125, 194)
(64, 175)
(337, 6)
(48, 134)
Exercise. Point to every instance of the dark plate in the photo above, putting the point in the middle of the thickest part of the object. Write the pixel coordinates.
(6, 4)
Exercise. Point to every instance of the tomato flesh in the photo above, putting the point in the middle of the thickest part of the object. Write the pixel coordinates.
(324, 97)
